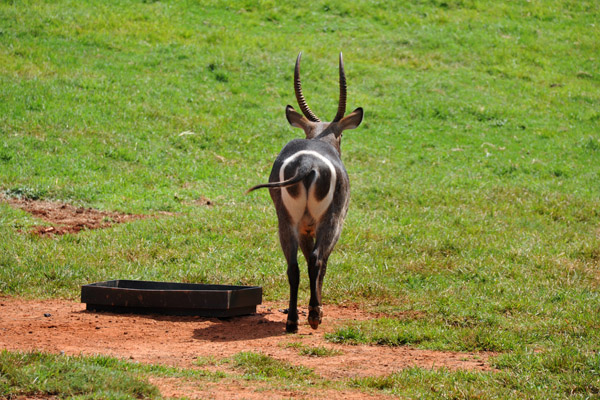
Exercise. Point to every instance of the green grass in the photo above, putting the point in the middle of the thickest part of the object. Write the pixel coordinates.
(95, 377)
(474, 222)
(313, 351)
(262, 367)
(38, 374)
(537, 376)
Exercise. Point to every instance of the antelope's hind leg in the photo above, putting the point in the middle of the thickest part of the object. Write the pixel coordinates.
(316, 272)
(307, 245)
(327, 236)
(289, 245)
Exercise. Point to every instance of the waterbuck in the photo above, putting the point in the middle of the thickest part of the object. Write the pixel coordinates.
(310, 189)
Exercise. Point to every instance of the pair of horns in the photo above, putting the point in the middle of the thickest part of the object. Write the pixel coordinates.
(302, 101)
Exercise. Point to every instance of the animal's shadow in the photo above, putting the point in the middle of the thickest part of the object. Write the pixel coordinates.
(231, 329)
(240, 328)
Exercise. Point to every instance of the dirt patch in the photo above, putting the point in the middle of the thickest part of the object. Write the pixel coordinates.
(59, 326)
(65, 218)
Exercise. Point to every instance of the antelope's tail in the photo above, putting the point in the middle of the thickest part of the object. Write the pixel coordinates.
(288, 182)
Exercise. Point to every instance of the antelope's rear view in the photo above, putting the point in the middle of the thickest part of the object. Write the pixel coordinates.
(310, 189)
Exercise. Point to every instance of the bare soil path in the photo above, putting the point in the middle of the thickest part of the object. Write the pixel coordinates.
(60, 326)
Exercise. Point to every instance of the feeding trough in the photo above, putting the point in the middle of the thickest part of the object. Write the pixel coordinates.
(147, 297)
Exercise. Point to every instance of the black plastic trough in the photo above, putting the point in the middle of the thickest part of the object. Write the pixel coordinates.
(146, 297)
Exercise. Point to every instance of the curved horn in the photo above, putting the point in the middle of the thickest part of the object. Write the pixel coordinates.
(342, 103)
(299, 96)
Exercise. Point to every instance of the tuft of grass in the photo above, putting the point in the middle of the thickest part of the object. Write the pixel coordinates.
(263, 367)
(203, 361)
(313, 351)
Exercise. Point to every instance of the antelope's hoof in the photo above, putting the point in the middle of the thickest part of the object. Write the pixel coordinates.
(291, 326)
(315, 315)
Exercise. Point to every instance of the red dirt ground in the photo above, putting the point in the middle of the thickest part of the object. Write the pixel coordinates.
(60, 326)
(64, 218)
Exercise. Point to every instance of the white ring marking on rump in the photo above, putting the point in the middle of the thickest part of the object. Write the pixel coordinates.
(296, 207)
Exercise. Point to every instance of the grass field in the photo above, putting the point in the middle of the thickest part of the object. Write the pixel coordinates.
(474, 222)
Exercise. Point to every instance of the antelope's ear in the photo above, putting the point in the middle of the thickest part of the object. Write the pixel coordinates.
(352, 120)
(296, 119)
